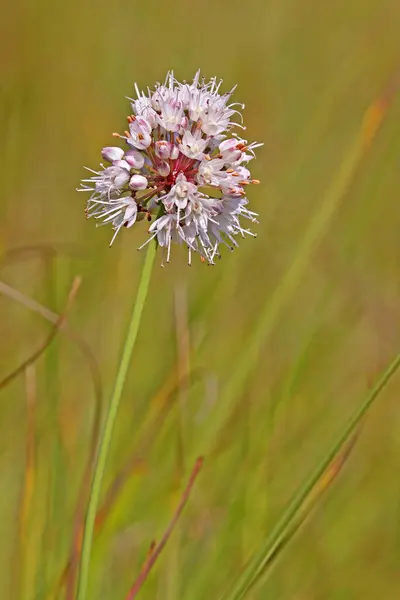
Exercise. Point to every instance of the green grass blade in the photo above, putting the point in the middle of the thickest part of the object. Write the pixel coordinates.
(257, 563)
(326, 481)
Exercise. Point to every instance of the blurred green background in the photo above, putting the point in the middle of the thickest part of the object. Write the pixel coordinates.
(263, 414)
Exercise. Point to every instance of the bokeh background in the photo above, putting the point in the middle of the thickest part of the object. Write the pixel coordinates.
(255, 363)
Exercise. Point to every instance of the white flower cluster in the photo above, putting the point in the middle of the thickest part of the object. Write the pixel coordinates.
(181, 165)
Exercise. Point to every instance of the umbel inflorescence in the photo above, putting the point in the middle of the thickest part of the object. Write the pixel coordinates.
(181, 169)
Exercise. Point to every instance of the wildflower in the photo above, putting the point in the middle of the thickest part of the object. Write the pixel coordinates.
(181, 166)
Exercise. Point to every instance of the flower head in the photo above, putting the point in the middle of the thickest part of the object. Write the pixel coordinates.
(182, 168)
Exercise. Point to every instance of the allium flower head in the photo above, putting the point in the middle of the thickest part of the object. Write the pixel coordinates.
(181, 168)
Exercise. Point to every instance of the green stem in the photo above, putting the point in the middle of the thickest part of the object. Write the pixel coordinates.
(105, 440)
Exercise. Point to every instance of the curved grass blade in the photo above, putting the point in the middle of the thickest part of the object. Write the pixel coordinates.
(60, 321)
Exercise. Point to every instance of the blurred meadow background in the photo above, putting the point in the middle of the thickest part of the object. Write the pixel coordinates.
(257, 363)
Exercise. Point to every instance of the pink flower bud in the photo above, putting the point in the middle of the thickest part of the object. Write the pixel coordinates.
(174, 153)
(163, 168)
(163, 149)
(123, 164)
(134, 158)
(138, 182)
(111, 153)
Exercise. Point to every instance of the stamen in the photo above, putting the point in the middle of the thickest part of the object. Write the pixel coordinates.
(115, 234)
(169, 248)
(148, 241)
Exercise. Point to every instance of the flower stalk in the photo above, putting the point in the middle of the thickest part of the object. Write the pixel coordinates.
(106, 435)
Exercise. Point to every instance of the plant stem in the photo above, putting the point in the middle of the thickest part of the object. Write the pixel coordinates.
(106, 436)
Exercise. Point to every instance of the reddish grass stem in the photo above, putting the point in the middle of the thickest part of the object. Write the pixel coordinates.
(155, 550)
